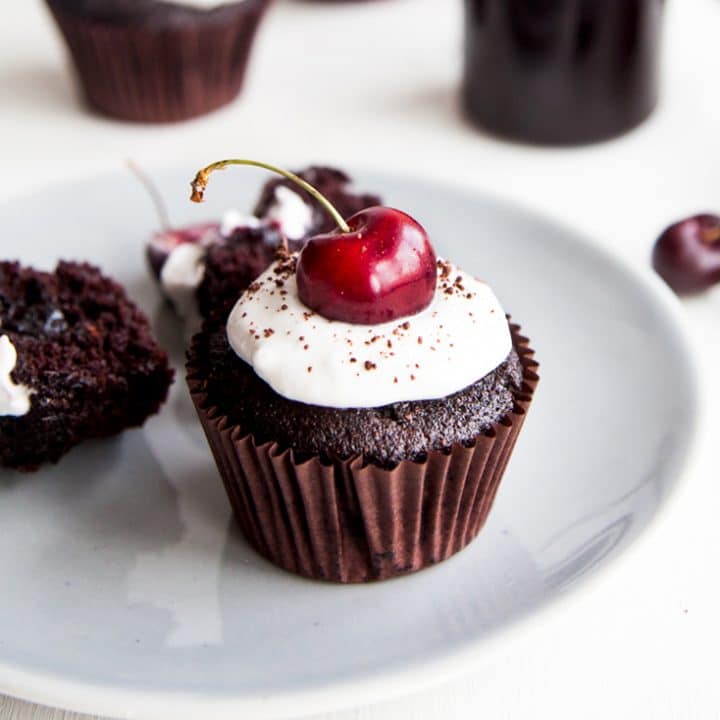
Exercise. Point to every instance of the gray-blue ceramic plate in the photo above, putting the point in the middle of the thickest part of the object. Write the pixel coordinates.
(126, 589)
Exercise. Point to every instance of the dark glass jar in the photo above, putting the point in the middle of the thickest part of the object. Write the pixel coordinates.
(561, 71)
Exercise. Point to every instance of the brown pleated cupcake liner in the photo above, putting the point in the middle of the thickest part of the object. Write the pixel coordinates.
(144, 73)
(351, 521)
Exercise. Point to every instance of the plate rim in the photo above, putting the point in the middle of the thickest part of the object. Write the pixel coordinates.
(368, 687)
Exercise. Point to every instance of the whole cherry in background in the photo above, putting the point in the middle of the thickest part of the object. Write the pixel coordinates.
(378, 266)
(687, 254)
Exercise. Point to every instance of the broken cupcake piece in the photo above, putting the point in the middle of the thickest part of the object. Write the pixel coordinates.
(77, 361)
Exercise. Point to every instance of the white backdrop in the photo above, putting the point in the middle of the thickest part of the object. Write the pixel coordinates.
(375, 85)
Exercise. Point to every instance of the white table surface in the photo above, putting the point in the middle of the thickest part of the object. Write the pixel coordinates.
(375, 85)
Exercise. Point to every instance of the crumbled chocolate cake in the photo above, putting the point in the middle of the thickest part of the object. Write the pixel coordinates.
(334, 184)
(88, 355)
(232, 265)
(383, 435)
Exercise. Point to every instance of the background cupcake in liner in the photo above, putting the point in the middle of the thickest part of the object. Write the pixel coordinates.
(157, 61)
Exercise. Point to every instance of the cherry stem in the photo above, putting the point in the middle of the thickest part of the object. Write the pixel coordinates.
(200, 182)
(157, 200)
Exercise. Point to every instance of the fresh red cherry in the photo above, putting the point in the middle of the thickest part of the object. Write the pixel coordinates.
(162, 243)
(377, 267)
(383, 269)
(687, 254)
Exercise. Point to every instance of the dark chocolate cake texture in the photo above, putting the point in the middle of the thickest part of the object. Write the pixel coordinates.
(83, 353)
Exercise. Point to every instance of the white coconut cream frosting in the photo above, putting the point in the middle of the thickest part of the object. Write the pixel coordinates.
(14, 397)
(291, 213)
(183, 270)
(181, 276)
(234, 219)
(461, 337)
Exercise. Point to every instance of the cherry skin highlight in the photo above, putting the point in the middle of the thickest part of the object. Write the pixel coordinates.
(687, 254)
(383, 269)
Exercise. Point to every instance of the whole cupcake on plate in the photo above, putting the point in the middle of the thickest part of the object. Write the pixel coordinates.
(159, 60)
(362, 400)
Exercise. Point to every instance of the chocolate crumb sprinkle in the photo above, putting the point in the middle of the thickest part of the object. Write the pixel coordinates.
(445, 269)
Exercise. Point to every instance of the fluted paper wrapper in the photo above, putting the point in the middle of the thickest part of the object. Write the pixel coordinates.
(144, 73)
(350, 521)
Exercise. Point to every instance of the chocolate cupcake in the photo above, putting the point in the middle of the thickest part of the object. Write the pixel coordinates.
(362, 402)
(203, 269)
(158, 61)
(77, 361)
